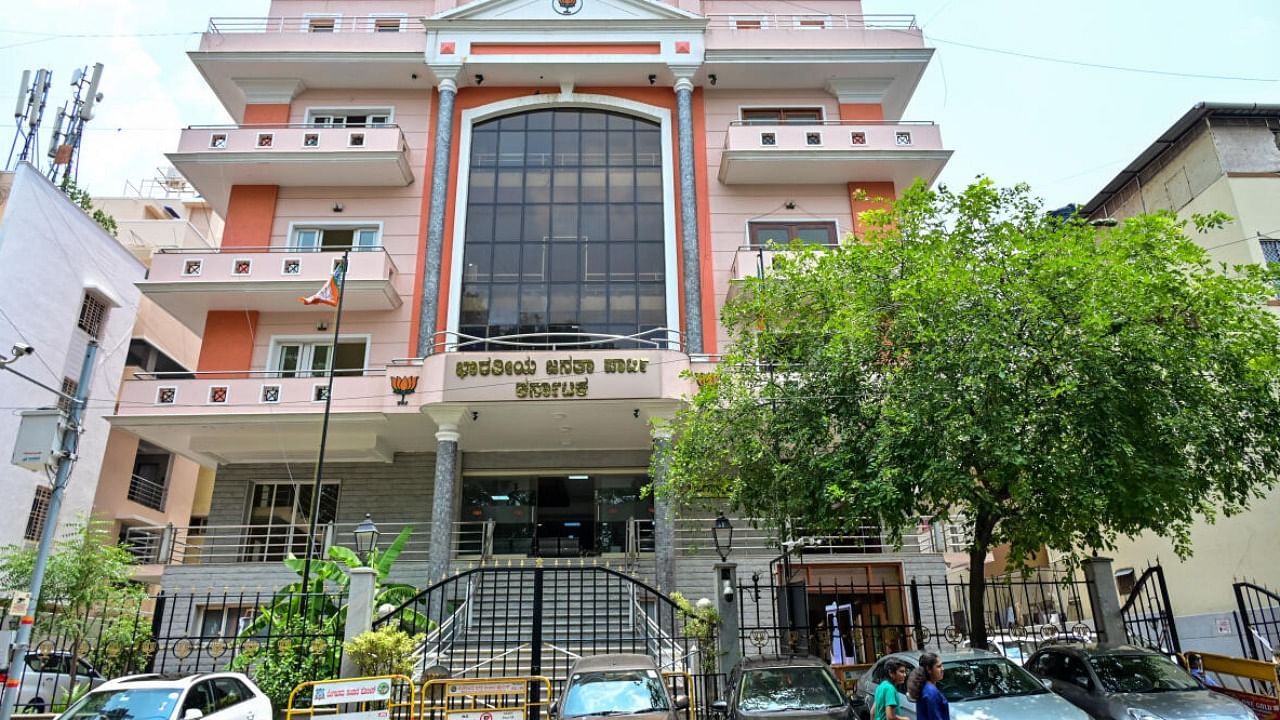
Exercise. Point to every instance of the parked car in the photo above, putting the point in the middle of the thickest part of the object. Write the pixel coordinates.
(619, 684)
(978, 684)
(47, 679)
(1018, 649)
(211, 696)
(794, 688)
(1130, 683)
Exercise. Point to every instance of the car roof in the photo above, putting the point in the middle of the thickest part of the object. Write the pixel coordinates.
(160, 681)
(957, 655)
(782, 661)
(616, 661)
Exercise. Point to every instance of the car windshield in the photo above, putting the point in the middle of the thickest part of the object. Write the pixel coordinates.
(125, 704)
(788, 688)
(614, 692)
(987, 678)
(1141, 674)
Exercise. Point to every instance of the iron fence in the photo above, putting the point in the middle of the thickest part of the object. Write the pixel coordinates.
(177, 633)
(847, 621)
(1259, 615)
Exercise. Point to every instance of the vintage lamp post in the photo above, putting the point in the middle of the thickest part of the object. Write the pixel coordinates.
(722, 533)
(366, 534)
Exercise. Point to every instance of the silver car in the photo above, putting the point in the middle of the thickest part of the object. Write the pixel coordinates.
(979, 685)
(619, 684)
(46, 680)
(1130, 683)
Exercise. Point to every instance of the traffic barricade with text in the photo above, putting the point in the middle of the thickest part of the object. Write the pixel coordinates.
(382, 697)
(502, 698)
(678, 684)
(1252, 682)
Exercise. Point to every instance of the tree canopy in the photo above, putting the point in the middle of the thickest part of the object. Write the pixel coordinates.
(1042, 381)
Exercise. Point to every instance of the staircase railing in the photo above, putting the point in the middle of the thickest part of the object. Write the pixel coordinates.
(444, 635)
(664, 648)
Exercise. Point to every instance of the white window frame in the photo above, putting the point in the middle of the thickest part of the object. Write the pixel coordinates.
(321, 225)
(375, 17)
(308, 344)
(344, 110)
(817, 105)
(308, 17)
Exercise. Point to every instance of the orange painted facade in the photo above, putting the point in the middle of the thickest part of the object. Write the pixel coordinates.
(228, 341)
(250, 211)
(266, 114)
(868, 196)
(861, 111)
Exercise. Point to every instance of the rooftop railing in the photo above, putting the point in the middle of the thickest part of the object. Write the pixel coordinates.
(747, 21)
(310, 24)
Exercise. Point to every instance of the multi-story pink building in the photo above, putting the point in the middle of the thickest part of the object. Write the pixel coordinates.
(546, 203)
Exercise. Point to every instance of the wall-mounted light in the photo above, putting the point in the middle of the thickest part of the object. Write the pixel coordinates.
(322, 326)
(337, 207)
(653, 79)
(712, 78)
(479, 79)
(790, 204)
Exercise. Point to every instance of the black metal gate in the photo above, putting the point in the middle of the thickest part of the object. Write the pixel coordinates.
(1148, 615)
(521, 621)
(1259, 614)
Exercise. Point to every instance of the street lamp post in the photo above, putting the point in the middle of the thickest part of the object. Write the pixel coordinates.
(722, 533)
(66, 458)
(366, 534)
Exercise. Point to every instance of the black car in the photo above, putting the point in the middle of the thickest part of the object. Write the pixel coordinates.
(790, 688)
(1129, 683)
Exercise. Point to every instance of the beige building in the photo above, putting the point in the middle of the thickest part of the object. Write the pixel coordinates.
(1226, 157)
(142, 485)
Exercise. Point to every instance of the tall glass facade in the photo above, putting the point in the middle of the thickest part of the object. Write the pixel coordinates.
(564, 227)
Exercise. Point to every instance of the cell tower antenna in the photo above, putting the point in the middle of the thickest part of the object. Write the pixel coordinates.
(27, 114)
(65, 148)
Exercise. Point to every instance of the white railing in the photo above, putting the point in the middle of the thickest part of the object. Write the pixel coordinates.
(223, 544)
(473, 539)
(747, 21)
(319, 24)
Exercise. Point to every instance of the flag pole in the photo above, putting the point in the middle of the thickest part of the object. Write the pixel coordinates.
(324, 436)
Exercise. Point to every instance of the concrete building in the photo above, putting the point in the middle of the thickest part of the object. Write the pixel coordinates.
(545, 204)
(1218, 156)
(143, 486)
(63, 281)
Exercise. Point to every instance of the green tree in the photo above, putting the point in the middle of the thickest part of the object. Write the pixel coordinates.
(82, 198)
(87, 592)
(1042, 381)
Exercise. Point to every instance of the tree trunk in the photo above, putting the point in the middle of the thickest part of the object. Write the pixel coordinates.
(983, 526)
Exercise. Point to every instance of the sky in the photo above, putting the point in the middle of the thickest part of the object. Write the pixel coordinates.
(1061, 96)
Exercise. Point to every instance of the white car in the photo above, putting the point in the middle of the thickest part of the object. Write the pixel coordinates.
(46, 678)
(215, 696)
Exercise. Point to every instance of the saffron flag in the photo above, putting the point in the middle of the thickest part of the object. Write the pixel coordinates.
(329, 293)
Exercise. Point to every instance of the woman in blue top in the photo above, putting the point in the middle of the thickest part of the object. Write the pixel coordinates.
(922, 687)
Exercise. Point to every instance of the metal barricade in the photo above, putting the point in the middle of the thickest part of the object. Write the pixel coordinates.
(1253, 682)
(681, 683)
(381, 697)
(501, 698)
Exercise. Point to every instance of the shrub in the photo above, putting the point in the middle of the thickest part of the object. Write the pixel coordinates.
(385, 651)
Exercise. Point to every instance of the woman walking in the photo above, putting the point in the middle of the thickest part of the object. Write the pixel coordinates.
(922, 687)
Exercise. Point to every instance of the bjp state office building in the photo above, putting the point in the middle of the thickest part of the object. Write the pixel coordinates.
(545, 203)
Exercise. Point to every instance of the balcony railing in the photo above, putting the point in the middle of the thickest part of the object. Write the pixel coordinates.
(311, 24)
(831, 152)
(225, 544)
(148, 492)
(656, 338)
(752, 539)
(833, 134)
(286, 137)
(754, 22)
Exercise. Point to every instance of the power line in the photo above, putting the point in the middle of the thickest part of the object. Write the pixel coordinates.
(1101, 66)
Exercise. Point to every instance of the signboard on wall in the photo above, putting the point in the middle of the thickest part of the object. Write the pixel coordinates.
(584, 375)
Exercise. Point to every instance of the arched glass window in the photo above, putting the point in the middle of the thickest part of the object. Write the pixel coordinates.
(564, 228)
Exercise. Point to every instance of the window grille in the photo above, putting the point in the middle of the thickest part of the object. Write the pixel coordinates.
(69, 387)
(39, 513)
(92, 314)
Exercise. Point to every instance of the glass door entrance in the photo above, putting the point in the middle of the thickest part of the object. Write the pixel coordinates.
(570, 515)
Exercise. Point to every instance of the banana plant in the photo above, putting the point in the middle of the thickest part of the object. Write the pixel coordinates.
(321, 613)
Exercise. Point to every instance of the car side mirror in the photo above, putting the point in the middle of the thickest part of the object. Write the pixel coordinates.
(682, 702)
(719, 707)
(193, 714)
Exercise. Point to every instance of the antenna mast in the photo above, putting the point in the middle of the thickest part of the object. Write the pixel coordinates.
(27, 114)
(64, 149)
